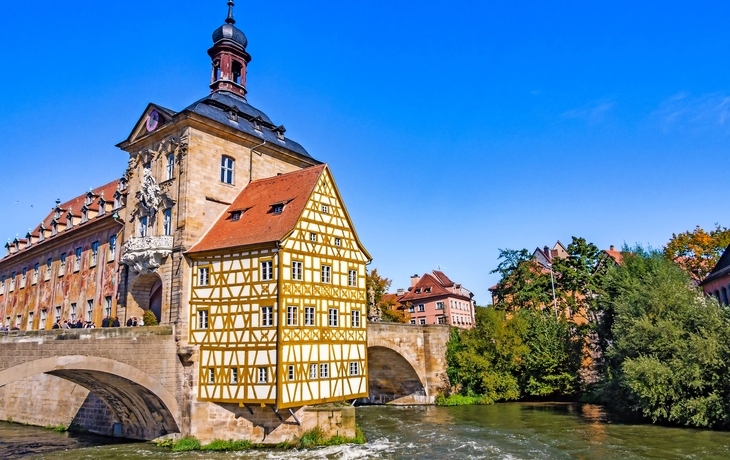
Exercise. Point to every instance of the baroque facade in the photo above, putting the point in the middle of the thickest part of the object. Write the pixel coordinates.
(141, 243)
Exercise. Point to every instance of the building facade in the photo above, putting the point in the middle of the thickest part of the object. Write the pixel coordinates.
(717, 283)
(434, 299)
(283, 295)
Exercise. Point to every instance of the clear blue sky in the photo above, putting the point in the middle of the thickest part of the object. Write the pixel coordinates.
(453, 128)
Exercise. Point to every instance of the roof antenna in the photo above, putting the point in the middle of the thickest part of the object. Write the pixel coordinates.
(229, 19)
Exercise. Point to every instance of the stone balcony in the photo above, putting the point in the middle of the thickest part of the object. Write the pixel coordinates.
(145, 254)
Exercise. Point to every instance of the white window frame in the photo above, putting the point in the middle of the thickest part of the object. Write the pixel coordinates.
(44, 319)
(203, 319)
(354, 368)
(439, 305)
(23, 278)
(422, 321)
(355, 314)
(167, 222)
(333, 317)
(352, 278)
(112, 248)
(211, 375)
(310, 316)
(203, 276)
(77, 261)
(313, 237)
(170, 166)
(326, 274)
(49, 268)
(228, 170)
(57, 316)
(29, 324)
(297, 270)
(313, 371)
(12, 281)
(324, 371)
(267, 316)
(36, 269)
(90, 310)
(292, 316)
(94, 253)
(107, 306)
(267, 270)
(234, 375)
(2, 285)
(143, 226)
(263, 376)
(421, 308)
(62, 269)
(338, 242)
(325, 209)
(72, 314)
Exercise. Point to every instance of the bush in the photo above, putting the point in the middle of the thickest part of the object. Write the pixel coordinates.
(315, 437)
(227, 446)
(186, 444)
(149, 318)
(460, 400)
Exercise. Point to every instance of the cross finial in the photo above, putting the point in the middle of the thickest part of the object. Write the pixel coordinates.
(229, 19)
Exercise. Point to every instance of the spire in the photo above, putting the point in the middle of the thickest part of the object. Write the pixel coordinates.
(229, 19)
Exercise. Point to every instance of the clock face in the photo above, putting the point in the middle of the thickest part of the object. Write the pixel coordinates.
(153, 120)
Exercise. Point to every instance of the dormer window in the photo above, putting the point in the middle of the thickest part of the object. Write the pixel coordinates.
(123, 184)
(102, 206)
(428, 289)
(69, 220)
(280, 133)
(277, 208)
(236, 216)
(84, 214)
(54, 228)
(28, 240)
(418, 290)
(257, 124)
(41, 233)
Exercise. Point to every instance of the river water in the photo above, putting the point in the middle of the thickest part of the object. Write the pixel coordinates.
(501, 431)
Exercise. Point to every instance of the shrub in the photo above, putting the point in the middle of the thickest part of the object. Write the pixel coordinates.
(149, 318)
(227, 446)
(186, 444)
(460, 400)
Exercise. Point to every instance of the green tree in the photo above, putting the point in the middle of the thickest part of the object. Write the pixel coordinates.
(388, 308)
(523, 283)
(698, 251)
(668, 358)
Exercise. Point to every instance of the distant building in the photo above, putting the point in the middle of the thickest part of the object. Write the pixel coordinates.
(435, 299)
(717, 282)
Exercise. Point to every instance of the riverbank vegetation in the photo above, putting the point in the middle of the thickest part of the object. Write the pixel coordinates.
(635, 334)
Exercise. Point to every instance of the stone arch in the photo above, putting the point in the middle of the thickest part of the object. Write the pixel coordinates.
(393, 379)
(142, 290)
(144, 408)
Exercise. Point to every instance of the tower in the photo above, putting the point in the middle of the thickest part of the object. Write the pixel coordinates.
(229, 57)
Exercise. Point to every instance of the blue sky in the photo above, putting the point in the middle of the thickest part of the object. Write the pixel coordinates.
(453, 128)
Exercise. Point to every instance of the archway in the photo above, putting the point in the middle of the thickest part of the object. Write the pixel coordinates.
(142, 406)
(146, 293)
(392, 379)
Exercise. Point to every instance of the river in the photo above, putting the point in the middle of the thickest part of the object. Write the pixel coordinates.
(501, 431)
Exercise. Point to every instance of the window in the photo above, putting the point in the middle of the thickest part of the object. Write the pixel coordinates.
(421, 308)
(422, 321)
(352, 278)
(326, 274)
(202, 319)
(439, 305)
(325, 209)
(411, 309)
(107, 306)
(36, 269)
(49, 264)
(236, 216)
(237, 70)
(170, 165)
(291, 316)
(354, 369)
(278, 209)
(309, 316)
(58, 314)
(441, 320)
(324, 371)
(291, 372)
(2, 286)
(73, 312)
(267, 273)
(234, 375)
(227, 164)
(30, 321)
(167, 222)
(355, 318)
(23, 278)
(203, 276)
(77, 261)
(263, 375)
(338, 242)
(333, 320)
(18, 320)
(94, 253)
(313, 237)
(12, 281)
(418, 290)
(143, 226)
(267, 318)
(44, 317)
(90, 311)
(428, 289)
(211, 375)
(413, 321)
(112, 248)
(296, 271)
(312, 371)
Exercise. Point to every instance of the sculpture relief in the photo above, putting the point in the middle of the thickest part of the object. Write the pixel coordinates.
(145, 254)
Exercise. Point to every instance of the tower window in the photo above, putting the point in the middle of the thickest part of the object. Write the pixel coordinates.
(216, 70)
(227, 164)
(237, 72)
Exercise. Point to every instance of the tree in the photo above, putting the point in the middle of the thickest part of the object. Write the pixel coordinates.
(698, 251)
(523, 283)
(668, 358)
(382, 305)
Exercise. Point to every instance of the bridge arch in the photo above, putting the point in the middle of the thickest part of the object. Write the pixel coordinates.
(143, 406)
(392, 378)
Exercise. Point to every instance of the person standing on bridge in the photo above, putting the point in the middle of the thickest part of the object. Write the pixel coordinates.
(105, 322)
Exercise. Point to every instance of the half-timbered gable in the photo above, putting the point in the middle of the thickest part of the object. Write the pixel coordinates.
(278, 296)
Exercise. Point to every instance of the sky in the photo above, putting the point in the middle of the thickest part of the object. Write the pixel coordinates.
(453, 129)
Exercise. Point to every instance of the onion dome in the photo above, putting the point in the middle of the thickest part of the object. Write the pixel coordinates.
(230, 32)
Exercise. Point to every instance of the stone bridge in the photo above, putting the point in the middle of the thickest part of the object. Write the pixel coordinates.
(138, 383)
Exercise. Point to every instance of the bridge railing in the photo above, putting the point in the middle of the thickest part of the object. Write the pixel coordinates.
(96, 333)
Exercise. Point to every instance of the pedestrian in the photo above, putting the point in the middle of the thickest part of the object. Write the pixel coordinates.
(57, 325)
(115, 322)
(65, 324)
(129, 321)
(134, 321)
(141, 321)
(105, 322)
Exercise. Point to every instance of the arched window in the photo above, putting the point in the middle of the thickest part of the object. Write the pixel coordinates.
(724, 295)
(216, 71)
(237, 71)
(717, 295)
(227, 164)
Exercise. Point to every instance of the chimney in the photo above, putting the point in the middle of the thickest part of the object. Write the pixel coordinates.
(414, 280)
(613, 248)
(401, 292)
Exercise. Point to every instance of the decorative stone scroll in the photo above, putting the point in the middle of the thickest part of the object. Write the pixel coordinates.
(145, 254)
(176, 146)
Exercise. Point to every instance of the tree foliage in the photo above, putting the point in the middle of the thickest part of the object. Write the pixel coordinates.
(523, 283)
(668, 358)
(387, 307)
(698, 251)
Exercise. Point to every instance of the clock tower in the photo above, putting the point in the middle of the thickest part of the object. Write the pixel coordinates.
(229, 57)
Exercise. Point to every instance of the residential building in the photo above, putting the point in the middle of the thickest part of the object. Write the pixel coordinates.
(717, 283)
(434, 299)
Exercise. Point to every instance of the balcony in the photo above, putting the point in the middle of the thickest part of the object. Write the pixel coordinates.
(146, 254)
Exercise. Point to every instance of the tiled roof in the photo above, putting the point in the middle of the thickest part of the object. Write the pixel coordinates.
(617, 256)
(433, 282)
(257, 223)
(721, 269)
(75, 205)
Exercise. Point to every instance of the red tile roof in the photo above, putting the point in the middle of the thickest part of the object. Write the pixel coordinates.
(438, 283)
(258, 224)
(617, 256)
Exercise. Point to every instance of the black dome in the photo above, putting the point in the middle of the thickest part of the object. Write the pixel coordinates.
(230, 32)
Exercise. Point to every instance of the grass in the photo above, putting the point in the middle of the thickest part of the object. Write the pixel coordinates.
(316, 438)
(186, 444)
(459, 400)
(58, 428)
(220, 445)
